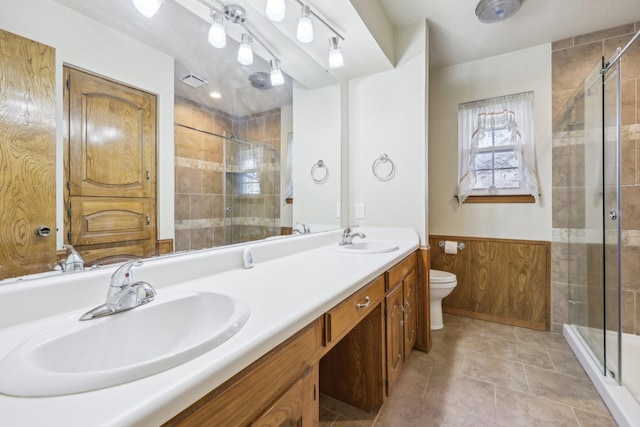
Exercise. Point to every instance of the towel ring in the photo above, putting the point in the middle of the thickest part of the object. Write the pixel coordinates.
(377, 162)
(316, 173)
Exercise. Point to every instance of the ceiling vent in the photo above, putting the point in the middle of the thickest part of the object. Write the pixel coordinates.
(261, 80)
(489, 11)
(193, 80)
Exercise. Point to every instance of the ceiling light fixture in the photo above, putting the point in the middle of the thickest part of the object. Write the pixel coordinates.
(148, 7)
(217, 33)
(277, 79)
(305, 26)
(490, 11)
(215, 95)
(335, 55)
(275, 10)
(245, 53)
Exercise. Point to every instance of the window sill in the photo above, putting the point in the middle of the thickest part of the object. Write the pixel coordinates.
(511, 198)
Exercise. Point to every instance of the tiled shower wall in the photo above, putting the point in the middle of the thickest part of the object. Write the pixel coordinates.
(572, 60)
(201, 182)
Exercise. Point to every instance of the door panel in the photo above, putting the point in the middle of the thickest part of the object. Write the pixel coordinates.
(27, 155)
(395, 339)
(107, 220)
(411, 315)
(111, 138)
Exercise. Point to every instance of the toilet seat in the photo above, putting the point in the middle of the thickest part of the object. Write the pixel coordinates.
(441, 279)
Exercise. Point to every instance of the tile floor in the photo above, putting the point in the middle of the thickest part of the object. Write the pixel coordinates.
(485, 374)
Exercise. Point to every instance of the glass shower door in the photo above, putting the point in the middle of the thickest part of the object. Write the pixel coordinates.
(586, 227)
(612, 220)
(594, 236)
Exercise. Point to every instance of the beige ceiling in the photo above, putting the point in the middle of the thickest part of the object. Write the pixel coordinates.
(456, 36)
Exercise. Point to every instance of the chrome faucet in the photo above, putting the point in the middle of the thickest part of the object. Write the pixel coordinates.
(73, 262)
(348, 235)
(305, 228)
(123, 295)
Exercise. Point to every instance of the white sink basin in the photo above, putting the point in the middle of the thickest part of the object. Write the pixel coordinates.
(73, 356)
(368, 247)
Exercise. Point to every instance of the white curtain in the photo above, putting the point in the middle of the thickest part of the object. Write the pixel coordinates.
(470, 119)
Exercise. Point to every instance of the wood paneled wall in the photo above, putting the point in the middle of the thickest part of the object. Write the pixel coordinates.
(500, 280)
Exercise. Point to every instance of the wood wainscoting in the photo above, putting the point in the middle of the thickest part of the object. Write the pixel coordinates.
(501, 280)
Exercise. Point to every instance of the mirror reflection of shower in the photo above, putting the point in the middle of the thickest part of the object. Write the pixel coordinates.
(252, 176)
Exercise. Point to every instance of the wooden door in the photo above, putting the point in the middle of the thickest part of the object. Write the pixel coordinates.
(111, 138)
(27, 156)
(395, 335)
(110, 164)
(410, 289)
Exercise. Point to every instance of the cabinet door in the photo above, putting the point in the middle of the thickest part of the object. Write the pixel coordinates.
(410, 313)
(295, 407)
(395, 335)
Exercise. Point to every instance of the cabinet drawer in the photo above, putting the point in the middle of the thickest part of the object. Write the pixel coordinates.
(398, 272)
(340, 319)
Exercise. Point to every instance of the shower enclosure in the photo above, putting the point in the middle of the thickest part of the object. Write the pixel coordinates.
(252, 186)
(595, 329)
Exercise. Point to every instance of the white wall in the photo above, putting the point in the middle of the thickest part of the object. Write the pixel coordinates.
(89, 45)
(520, 71)
(286, 127)
(316, 136)
(387, 114)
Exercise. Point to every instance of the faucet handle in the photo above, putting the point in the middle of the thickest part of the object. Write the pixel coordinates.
(349, 228)
(122, 276)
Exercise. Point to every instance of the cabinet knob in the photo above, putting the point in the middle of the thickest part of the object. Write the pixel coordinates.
(365, 304)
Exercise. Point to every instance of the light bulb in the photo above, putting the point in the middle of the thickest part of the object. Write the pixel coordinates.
(148, 7)
(305, 27)
(277, 79)
(217, 33)
(245, 53)
(335, 55)
(275, 10)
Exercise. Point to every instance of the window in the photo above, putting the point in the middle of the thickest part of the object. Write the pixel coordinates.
(495, 142)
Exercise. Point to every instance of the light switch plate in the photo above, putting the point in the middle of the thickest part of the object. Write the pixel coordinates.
(338, 213)
(359, 210)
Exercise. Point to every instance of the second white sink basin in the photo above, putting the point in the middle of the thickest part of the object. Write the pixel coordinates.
(74, 356)
(368, 247)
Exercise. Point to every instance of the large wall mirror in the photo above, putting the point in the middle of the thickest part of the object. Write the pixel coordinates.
(221, 161)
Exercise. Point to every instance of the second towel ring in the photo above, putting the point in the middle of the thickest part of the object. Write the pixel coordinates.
(316, 173)
(383, 159)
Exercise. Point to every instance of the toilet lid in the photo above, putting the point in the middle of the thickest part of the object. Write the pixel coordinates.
(438, 276)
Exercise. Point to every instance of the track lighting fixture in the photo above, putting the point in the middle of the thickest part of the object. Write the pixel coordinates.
(275, 10)
(277, 79)
(335, 55)
(305, 27)
(245, 53)
(148, 7)
(217, 33)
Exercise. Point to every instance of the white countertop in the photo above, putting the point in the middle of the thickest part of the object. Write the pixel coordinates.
(294, 281)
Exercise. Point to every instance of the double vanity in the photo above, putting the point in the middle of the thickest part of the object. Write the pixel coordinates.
(220, 344)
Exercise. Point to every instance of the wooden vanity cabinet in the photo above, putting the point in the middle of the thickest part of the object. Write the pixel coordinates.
(280, 386)
(401, 316)
(347, 354)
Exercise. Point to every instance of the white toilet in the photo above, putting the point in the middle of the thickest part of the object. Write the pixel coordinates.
(441, 283)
